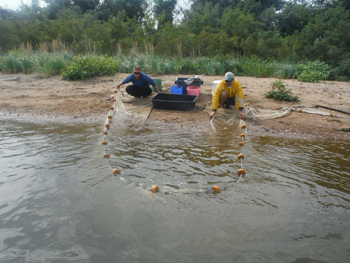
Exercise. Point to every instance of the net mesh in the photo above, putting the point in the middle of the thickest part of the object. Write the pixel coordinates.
(140, 107)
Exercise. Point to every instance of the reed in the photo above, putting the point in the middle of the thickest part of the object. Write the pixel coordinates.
(52, 64)
(55, 57)
(10, 63)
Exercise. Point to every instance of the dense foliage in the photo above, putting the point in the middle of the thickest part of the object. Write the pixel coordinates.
(272, 32)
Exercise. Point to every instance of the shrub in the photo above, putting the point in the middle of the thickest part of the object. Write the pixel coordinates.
(53, 64)
(313, 71)
(84, 67)
(10, 62)
(280, 92)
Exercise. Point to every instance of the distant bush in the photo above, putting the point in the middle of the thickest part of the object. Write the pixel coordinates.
(84, 67)
(280, 92)
(313, 71)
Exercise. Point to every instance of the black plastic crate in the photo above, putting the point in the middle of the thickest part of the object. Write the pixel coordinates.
(174, 101)
(181, 82)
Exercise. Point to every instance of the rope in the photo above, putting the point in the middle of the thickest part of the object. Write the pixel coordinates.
(318, 112)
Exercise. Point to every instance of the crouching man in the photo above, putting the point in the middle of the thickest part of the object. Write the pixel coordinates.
(228, 93)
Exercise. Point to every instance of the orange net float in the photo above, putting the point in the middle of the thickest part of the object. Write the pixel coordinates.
(241, 172)
(110, 116)
(108, 126)
(114, 100)
(105, 133)
(240, 156)
(106, 155)
(300, 110)
(111, 108)
(242, 135)
(104, 143)
(242, 117)
(112, 96)
(216, 189)
(241, 144)
(154, 188)
(116, 171)
(115, 91)
(331, 114)
(243, 126)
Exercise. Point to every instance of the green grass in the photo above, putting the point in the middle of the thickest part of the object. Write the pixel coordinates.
(59, 62)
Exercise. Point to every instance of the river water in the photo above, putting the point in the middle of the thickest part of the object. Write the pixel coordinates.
(59, 201)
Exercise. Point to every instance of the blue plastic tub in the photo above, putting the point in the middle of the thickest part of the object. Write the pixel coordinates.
(176, 90)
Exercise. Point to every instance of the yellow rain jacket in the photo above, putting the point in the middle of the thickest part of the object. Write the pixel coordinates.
(234, 90)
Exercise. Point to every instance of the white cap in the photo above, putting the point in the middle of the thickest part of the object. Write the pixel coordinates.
(229, 76)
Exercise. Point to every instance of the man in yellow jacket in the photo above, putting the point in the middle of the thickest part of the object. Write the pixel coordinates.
(228, 93)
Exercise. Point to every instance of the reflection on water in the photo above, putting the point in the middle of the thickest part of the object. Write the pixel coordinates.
(59, 201)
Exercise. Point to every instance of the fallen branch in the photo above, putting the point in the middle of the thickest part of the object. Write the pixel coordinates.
(319, 106)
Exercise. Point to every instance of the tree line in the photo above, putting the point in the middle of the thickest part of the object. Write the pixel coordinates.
(273, 30)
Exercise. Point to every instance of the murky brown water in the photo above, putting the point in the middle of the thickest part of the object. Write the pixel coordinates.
(59, 201)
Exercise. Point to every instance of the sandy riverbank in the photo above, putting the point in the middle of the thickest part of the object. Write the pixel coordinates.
(89, 100)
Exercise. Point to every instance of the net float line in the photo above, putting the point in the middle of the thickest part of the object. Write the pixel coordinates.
(107, 126)
(160, 188)
(318, 112)
(163, 189)
(117, 172)
(156, 188)
(241, 171)
(215, 189)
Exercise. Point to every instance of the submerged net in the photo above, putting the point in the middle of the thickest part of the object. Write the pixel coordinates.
(140, 107)
(258, 114)
(228, 116)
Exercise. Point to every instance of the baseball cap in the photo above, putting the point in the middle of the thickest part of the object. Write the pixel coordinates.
(229, 76)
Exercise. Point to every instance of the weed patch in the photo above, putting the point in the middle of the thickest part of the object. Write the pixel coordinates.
(280, 92)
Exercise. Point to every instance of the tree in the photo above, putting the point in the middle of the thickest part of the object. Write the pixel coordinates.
(86, 5)
(132, 8)
(55, 6)
(164, 10)
(257, 7)
(293, 18)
